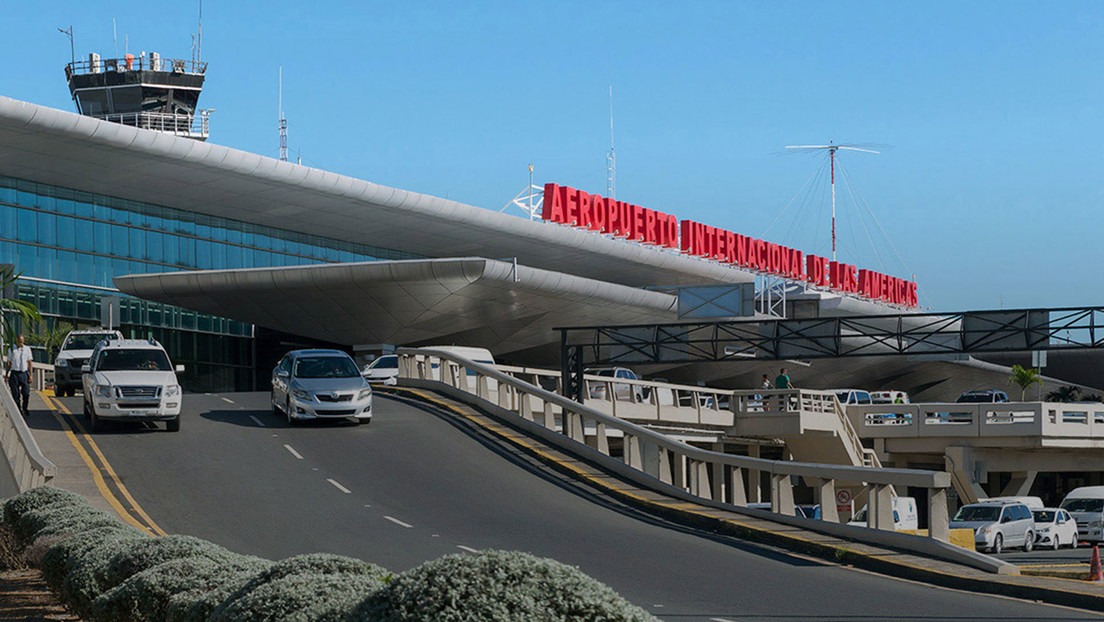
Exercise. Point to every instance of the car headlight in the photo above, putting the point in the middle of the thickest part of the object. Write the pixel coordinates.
(1096, 523)
(103, 390)
(61, 363)
(364, 394)
(301, 395)
(983, 531)
(172, 390)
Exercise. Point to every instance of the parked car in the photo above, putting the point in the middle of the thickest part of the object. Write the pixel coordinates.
(905, 515)
(1054, 527)
(982, 396)
(621, 390)
(800, 511)
(384, 369)
(1086, 506)
(889, 397)
(131, 380)
(320, 384)
(1032, 503)
(853, 396)
(997, 524)
(74, 353)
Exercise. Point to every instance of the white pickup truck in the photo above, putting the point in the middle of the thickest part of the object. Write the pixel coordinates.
(131, 380)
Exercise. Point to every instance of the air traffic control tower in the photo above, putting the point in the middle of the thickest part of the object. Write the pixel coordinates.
(147, 91)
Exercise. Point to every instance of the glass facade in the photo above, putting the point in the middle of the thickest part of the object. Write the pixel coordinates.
(70, 244)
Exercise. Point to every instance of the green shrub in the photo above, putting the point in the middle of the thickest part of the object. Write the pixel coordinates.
(301, 598)
(151, 552)
(76, 566)
(61, 521)
(26, 523)
(198, 604)
(285, 585)
(147, 594)
(38, 498)
(496, 586)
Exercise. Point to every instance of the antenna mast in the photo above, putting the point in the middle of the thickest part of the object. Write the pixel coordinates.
(611, 157)
(832, 148)
(199, 39)
(282, 122)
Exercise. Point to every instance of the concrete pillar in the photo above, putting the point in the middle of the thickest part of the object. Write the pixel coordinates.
(649, 456)
(665, 457)
(879, 507)
(782, 495)
(717, 474)
(1020, 484)
(939, 520)
(754, 489)
(739, 491)
(826, 497)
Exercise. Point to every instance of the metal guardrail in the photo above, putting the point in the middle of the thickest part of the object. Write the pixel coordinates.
(28, 467)
(141, 62)
(172, 123)
(980, 420)
(707, 475)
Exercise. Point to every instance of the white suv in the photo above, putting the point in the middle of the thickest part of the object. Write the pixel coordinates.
(131, 380)
(75, 350)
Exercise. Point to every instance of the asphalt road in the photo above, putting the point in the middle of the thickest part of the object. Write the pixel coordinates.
(411, 487)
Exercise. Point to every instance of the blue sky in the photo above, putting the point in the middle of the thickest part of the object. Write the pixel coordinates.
(987, 188)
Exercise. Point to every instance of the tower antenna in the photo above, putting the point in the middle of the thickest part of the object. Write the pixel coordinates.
(611, 157)
(831, 148)
(199, 39)
(282, 122)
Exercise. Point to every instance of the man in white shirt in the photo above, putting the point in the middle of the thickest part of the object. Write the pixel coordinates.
(19, 374)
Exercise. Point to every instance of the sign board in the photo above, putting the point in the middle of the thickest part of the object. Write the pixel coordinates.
(1038, 358)
(843, 496)
(109, 311)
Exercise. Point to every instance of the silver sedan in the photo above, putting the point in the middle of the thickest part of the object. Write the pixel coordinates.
(320, 384)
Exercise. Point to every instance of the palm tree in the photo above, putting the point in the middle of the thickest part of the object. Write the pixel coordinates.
(12, 308)
(1066, 393)
(50, 338)
(1024, 377)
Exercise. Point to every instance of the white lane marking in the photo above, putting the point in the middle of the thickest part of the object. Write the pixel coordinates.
(226, 399)
(399, 522)
(719, 620)
(257, 421)
(340, 487)
(467, 548)
(293, 452)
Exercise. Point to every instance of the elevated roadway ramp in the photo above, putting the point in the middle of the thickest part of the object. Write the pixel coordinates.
(875, 551)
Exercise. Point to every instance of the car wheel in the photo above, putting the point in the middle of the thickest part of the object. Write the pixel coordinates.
(1029, 542)
(96, 423)
(287, 411)
(998, 545)
(173, 425)
(1057, 542)
(87, 410)
(1073, 542)
(275, 406)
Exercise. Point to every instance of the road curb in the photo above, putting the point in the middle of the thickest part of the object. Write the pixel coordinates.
(696, 517)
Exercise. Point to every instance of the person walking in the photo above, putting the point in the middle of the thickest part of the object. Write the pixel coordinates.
(783, 382)
(765, 385)
(19, 374)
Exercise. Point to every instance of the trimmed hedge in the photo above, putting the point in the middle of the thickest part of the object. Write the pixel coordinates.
(107, 571)
(496, 586)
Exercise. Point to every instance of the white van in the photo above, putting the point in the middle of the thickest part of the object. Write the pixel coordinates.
(904, 515)
(1032, 503)
(1086, 505)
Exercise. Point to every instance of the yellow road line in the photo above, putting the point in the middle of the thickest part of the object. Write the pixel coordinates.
(56, 409)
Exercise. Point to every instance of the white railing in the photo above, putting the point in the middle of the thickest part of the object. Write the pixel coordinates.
(985, 420)
(27, 466)
(704, 474)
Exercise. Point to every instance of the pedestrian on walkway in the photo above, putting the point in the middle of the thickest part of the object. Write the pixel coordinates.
(19, 374)
(783, 382)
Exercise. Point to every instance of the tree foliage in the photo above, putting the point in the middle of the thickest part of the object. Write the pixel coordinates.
(1024, 377)
(12, 308)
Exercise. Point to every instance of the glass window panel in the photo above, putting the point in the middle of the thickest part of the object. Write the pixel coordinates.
(26, 261)
(86, 269)
(27, 230)
(83, 207)
(101, 239)
(66, 206)
(203, 254)
(47, 262)
(7, 223)
(186, 249)
(168, 248)
(7, 195)
(67, 266)
(120, 241)
(85, 236)
(234, 257)
(66, 232)
(47, 228)
(234, 235)
(7, 252)
(138, 244)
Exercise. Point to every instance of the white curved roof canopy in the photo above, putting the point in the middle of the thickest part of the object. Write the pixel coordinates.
(463, 300)
(66, 149)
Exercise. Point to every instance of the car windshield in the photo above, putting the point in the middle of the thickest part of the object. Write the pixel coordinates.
(1043, 516)
(606, 372)
(385, 362)
(1083, 505)
(842, 396)
(967, 398)
(977, 513)
(85, 342)
(144, 359)
(326, 367)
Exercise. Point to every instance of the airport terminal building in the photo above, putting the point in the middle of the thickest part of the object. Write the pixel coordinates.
(231, 258)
